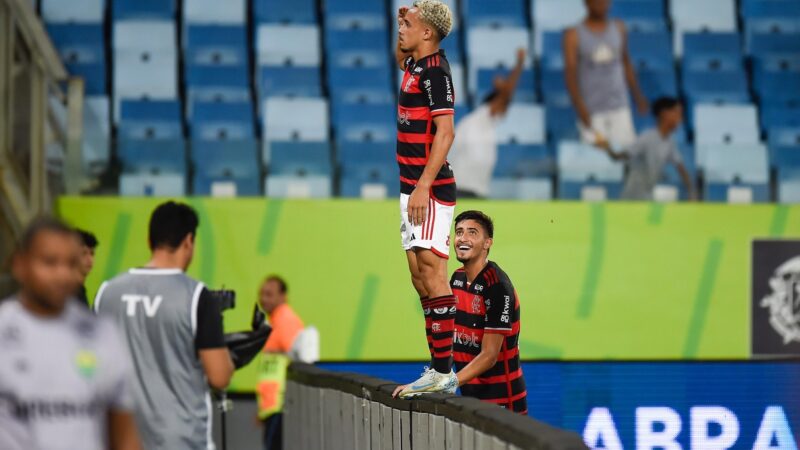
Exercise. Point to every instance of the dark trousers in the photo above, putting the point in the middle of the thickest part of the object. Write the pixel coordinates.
(273, 432)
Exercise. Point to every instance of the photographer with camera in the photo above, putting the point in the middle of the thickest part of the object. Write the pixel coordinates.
(173, 329)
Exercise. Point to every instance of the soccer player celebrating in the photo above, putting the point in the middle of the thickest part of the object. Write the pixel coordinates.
(425, 133)
(487, 321)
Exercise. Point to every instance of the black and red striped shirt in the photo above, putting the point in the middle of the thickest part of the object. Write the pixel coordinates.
(427, 91)
(489, 305)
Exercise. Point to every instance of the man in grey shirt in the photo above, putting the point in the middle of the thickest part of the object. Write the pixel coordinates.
(173, 330)
(651, 151)
(63, 372)
(598, 74)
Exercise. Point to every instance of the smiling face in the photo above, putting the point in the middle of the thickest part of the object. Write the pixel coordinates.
(472, 242)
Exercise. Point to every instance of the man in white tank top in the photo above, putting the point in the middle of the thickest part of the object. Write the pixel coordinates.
(599, 74)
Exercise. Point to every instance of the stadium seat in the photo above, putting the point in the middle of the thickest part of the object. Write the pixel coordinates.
(460, 85)
(561, 123)
(216, 45)
(96, 134)
(153, 156)
(735, 173)
(82, 49)
(222, 121)
(587, 173)
(75, 11)
(147, 120)
(526, 86)
(522, 124)
(716, 86)
(495, 14)
(554, 88)
(143, 9)
(789, 188)
(707, 15)
(149, 185)
(651, 51)
(291, 186)
(357, 94)
(726, 124)
(784, 147)
(452, 47)
(226, 167)
(217, 83)
(282, 45)
(289, 81)
(295, 119)
(521, 189)
(355, 14)
(778, 87)
(552, 50)
(283, 12)
(300, 158)
(780, 115)
(775, 63)
(482, 51)
(229, 12)
(656, 83)
(769, 8)
(377, 78)
(701, 50)
(640, 16)
(343, 43)
(554, 15)
(759, 44)
(365, 122)
(523, 161)
(368, 169)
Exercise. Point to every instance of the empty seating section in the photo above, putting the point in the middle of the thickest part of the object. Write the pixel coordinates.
(298, 99)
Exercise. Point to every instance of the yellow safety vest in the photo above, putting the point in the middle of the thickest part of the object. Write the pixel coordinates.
(271, 383)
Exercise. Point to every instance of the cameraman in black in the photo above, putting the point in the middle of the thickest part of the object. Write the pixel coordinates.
(173, 329)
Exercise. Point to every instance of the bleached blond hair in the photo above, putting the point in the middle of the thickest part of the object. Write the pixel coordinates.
(436, 14)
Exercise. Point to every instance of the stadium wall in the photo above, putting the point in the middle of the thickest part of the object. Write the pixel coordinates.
(596, 280)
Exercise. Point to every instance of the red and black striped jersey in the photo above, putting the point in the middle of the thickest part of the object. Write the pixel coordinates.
(489, 305)
(427, 91)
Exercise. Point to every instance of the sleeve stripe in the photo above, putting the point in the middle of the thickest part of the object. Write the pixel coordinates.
(498, 329)
(98, 296)
(195, 301)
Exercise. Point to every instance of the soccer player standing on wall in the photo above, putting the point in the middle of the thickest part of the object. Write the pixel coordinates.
(425, 132)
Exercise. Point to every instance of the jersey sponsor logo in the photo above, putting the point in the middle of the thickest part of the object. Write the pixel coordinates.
(418, 69)
(86, 362)
(409, 83)
(449, 89)
(505, 316)
(478, 287)
(436, 327)
(49, 409)
(402, 118)
(150, 304)
(429, 91)
(469, 340)
(442, 310)
(458, 283)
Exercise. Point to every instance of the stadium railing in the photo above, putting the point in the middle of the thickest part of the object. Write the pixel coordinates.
(337, 410)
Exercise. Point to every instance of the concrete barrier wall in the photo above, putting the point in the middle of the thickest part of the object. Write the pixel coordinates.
(344, 411)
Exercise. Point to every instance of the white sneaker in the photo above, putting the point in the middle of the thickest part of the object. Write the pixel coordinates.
(431, 382)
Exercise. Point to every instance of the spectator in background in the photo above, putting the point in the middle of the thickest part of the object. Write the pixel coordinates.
(599, 74)
(474, 151)
(286, 327)
(63, 372)
(88, 245)
(651, 151)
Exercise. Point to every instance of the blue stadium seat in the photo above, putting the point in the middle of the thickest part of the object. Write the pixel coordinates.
(706, 15)
(143, 9)
(554, 88)
(460, 85)
(651, 50)
(150, 185)
(716, 87)
(148, 120)
(522, 124)
(523, 161)
(228, 12)
(726, 124)
(355, 14)
(362, 77)
(711, 51)
(658, 83)
(496, 14)
(561, 123)
(96, 134)
(338, 42)
(775, 63)
(526, 86)
(769, 8)
(295, 119)
(82, 49)
(281, 45)
(483, 51)
(153, 156)
(75, 11)
(217, 83)
(357, 94)
(300, 158)
(216, 45)
(640, 16)
(365, 122)
(554, 15)
(587, 173)
(370, 164)
(779, 87)
(452, 47)
(552, 50)
(289, 81)
(773, 42)
(789, 186)
(221, 121)
(783, 157)
(521, 189)
(283, 12)
(233, 162)
(739, 166)
(780, 115)
(293, 186)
